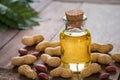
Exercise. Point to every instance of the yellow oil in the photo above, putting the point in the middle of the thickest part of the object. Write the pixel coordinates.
(75, 48)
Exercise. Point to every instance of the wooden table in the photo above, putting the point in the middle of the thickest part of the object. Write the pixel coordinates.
(103, 23)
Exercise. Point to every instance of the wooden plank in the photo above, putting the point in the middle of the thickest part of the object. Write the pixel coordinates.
(92, 11)
(40, 4)
(94, 1)
(100, 15)
(5, 37)
(103, 23)
(55, 11)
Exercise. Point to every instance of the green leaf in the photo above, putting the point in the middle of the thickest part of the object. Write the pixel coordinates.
(17, 14)
(3, 9)
(3, 27)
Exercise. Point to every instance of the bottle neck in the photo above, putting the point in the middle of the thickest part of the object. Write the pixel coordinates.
(74, 24)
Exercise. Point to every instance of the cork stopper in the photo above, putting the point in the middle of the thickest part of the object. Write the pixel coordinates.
(74, 17)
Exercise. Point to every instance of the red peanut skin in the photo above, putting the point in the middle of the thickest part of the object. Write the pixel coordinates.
(104, 76)
(110, 69)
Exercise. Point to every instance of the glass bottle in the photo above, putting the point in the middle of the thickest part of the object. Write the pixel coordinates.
(75, 41)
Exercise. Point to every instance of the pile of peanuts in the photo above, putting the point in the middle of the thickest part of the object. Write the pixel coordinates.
(99, 56)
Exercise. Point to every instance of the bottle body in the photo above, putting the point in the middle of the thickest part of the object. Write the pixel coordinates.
(75, 48)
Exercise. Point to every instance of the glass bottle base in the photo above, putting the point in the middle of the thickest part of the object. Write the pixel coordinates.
(75, 67)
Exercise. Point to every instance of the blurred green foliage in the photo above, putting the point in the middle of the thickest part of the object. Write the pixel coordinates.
(17, 14)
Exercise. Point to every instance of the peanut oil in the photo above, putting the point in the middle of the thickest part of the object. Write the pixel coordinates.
(75, 41)
(75, 48)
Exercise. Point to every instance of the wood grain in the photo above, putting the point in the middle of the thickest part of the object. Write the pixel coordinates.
(103, 23)
(48, 29)
(93, 1)
(5, 37)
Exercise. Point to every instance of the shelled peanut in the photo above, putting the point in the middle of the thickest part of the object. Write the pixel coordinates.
(110, 68)
(42, 71)
(26, 59)
(43, 76)
(31, 40)
(35, 53)
(41, 68)
(51, 61)
(22, 51)
(104, 76)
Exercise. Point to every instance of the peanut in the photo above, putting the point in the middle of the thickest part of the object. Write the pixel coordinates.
(53, 51)
(102, 48)
(110, 69)
(26, 59)
(90, 69)
(41, 68)
(116, 56)
(101, 58)
(31, 40)
(104, 76)
(51, 61)
(27, 71)
(43, 76)
(63, 72)
(23, 51)
(104, 59)
(42, 45)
